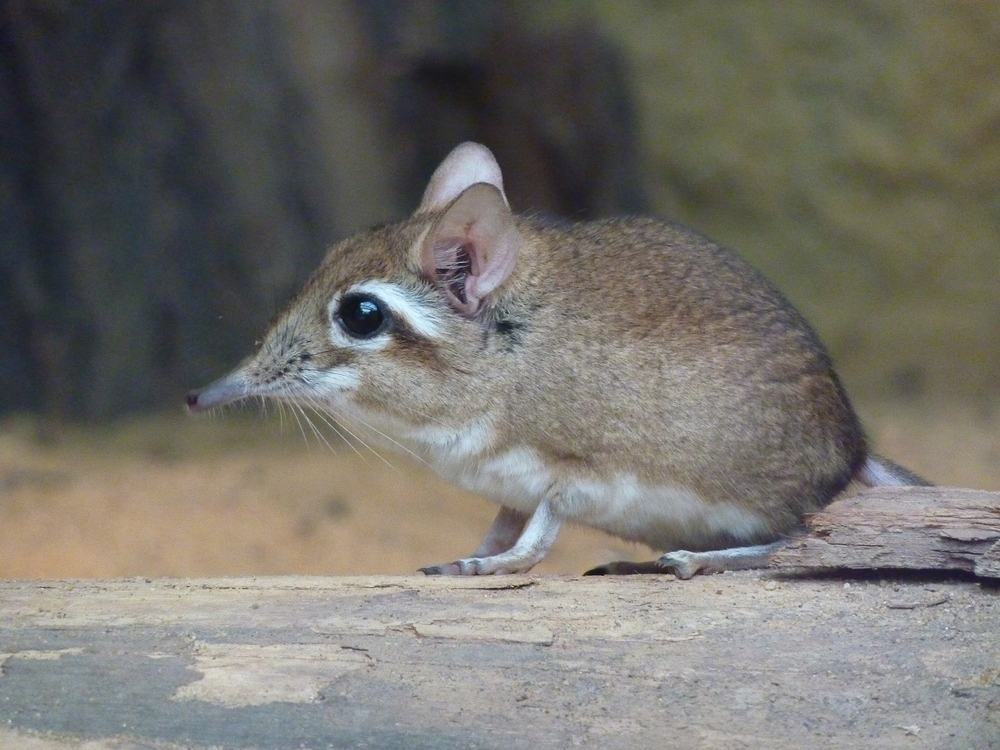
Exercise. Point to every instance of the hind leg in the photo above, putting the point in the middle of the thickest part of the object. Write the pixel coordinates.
(685, 564)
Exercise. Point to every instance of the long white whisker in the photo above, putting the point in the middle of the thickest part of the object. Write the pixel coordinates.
(415, 413)
(297, 411)
(301, 428)
(329, 423)
(305, 418)
(399, 445)
(422, 415)
(316, 431)
(337, 429)
(319, 410)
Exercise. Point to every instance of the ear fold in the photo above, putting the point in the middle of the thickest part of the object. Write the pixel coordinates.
(467, 164)
(472, 249)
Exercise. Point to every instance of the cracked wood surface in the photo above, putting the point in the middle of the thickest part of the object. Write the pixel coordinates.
(907, 528)
(739, 660)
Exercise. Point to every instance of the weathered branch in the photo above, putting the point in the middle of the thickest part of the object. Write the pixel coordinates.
(910, 528)
(617, 662)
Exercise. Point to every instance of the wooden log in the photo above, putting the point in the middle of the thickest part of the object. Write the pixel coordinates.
(988, 566)
(740, 660)
(907, 528)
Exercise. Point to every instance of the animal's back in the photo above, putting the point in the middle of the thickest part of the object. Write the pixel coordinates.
(703, 375)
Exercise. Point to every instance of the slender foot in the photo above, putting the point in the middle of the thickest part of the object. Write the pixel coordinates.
(685, 564)
(532, 545)
(476, 566)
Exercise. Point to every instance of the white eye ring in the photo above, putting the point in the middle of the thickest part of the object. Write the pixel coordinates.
(397, 302)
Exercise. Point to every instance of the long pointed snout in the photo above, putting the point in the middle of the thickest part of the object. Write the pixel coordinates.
(225, 390)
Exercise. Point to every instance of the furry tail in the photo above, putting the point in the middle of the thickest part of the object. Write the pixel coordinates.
(881, 472)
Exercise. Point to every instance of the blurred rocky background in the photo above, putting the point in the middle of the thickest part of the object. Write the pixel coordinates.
(169, 172)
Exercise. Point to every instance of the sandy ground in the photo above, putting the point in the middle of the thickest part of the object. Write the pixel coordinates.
(239, 494)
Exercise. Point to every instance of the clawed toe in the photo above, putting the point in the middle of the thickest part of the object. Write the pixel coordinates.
(467, 567)
(491, 565)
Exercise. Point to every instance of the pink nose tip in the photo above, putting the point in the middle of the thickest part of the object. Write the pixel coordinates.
(192, 400)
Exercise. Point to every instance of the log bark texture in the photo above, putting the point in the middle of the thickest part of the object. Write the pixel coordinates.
(744, 660)
(907, 528)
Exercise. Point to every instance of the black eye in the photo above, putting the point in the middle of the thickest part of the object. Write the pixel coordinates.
(362, 315)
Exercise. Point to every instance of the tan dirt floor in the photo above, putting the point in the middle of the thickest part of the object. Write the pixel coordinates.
(238, 494)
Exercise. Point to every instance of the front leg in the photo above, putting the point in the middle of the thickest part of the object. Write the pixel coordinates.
(504, 532)
(533, 544)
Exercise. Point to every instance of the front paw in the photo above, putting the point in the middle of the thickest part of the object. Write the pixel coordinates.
(464, 567)
(448, 569)
(469, 566)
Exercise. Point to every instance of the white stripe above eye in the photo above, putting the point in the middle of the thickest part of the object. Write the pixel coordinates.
(405, 303)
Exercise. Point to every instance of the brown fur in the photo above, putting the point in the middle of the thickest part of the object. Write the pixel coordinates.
(621, 345)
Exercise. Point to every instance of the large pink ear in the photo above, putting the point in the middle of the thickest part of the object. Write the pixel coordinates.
(467, 164)
(472, 249)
